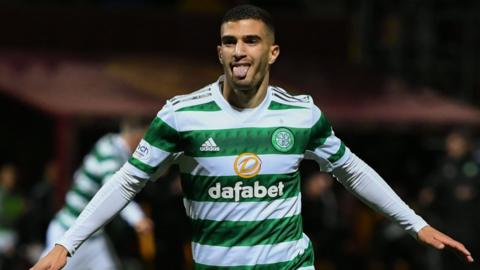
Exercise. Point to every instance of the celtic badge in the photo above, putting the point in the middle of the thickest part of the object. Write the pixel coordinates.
(283, 140)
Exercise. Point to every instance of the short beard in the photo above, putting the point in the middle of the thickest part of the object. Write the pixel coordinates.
(246, 88)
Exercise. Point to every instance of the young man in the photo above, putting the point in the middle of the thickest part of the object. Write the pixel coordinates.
(107, 156)
(242, 142)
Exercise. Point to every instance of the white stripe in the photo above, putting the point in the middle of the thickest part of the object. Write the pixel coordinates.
(325, 164)
(244, 211)
(66, 218)
(306, 268)
(200, 120)
(76, 201)
(153, 156)
(330, 147)
(223, 166)
(106, 148)
(85, 184)
(316, 114)
(344, 158)
(132, 170)
(159, 171)
(166, 116)
(248, 255)
(99, 168)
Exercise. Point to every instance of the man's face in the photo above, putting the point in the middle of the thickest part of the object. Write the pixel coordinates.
(246, 51)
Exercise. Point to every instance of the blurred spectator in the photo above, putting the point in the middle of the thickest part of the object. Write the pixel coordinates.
(393, 248)
(172, 229)
(107, 156)
(450, 195)
(320, 215)
(40, 212)
(12, 207)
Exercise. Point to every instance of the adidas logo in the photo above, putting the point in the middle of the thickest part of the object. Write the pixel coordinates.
(209, 146)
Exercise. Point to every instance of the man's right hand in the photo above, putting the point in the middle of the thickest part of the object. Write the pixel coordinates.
(54, 260)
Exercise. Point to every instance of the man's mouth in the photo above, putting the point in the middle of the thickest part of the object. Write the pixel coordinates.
(240, 70)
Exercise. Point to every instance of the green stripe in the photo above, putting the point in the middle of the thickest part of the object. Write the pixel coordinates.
(207, 107)
(162, 136)
(302, 260)
(239, 140)
(141, 166)
(195, 187)
(64, 225)
(273, 266)
(97, 178)
(72, 210)
(60, 220)
(81, 193)
(94, 178)
(101, 157)
(339, 154)
(307, 258)
(247, 233)
(319, 133)
(280, 106)
(109, 174)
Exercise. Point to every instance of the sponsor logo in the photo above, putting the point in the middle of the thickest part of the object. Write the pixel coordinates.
(283, 139)
(238, 191)
(247, 165)
(209, 146)
(143, 151)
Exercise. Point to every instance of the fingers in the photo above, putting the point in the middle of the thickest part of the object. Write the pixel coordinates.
(456, 246)
(144, 226)
(54, 260)
(40, 266)
(439, 240)
(436, 244)
(459, 248)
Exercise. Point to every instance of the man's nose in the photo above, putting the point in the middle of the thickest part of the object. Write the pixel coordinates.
(239, 50)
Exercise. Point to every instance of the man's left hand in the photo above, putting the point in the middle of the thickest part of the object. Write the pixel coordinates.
(439, 240)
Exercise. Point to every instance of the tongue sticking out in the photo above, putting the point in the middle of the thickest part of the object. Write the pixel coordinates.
(240, 71)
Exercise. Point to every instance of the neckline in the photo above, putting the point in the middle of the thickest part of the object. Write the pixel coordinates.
(239, 114)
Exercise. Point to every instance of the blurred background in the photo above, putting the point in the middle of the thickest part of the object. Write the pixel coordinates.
(399, 81)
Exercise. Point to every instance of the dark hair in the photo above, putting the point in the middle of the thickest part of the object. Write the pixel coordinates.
(243, 12)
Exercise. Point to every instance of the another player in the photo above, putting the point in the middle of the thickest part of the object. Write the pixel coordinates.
(107, 156)
(243, 141)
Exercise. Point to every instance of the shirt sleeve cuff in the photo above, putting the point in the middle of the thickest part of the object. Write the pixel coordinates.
(417, 226)
(68, 246)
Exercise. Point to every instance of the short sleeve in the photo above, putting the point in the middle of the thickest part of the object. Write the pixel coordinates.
(156, 150)
(323, 146)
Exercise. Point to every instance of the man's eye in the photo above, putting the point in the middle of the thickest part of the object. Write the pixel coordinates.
(251, 40)
(229, 41)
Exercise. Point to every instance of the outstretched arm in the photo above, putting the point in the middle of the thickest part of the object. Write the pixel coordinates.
(109, 200)
(367, 185)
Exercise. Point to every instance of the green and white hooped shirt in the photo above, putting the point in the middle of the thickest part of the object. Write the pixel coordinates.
(239, 173)
(107, 156)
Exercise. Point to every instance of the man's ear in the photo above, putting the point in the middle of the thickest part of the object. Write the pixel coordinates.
(274, 53)
(219, 53)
